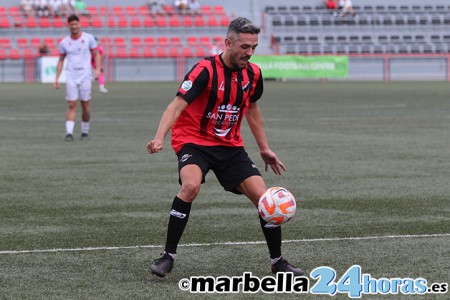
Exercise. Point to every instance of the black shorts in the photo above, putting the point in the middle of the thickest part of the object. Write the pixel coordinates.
(231, 165)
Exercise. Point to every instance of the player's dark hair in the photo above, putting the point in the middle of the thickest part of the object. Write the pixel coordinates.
(242, 25)
(73, 18)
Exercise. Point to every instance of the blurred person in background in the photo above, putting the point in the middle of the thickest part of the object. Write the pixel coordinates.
(101, 76)
(346, 6)
(156, 7)
(27, 7)
(41, 8)
(194, 7)
(181, 6)
(78, 48)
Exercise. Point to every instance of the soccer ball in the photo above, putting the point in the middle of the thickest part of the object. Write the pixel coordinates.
(277, 206)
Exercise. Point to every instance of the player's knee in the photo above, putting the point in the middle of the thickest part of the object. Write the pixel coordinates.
(189, 190)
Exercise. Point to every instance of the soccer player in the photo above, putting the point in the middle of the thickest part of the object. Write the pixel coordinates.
(101, 77)
(205, 118)
(78, 47)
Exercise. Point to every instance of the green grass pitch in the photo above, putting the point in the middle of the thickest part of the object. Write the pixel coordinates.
(369, 161)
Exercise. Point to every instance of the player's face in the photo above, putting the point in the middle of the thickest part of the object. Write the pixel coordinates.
(74, 27)
(241, 49)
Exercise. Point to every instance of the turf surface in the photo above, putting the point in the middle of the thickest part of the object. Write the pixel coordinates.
(368, 161)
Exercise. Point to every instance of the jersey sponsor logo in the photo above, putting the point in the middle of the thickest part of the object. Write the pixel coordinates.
(245, 86)
(186, 85)
(221, 132)
(177, 214)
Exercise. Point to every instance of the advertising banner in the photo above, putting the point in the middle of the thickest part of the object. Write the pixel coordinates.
(48, 70)
(297, 66)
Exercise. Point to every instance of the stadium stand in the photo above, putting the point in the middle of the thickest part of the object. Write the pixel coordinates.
(289, 27)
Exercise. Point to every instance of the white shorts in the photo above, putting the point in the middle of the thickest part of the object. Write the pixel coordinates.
(82, 90)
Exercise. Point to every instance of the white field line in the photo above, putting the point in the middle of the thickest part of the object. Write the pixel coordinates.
(226, 243)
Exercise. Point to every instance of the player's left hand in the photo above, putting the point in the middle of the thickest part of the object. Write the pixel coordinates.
(271, 159)
(96, 74)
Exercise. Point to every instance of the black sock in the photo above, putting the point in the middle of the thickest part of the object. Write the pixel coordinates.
(179, 215)
(273, 238)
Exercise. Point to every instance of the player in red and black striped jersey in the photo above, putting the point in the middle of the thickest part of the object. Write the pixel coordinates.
(205, 118)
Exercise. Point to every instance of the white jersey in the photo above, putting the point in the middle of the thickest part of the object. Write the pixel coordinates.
(78, 56)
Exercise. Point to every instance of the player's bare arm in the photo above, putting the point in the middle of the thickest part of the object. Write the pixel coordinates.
(172, 112)
(98, 61)
(256, 123)
(59, 68)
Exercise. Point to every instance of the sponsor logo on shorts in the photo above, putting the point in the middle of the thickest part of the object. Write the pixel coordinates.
(185, 157)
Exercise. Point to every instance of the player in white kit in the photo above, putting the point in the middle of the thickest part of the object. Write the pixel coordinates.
(78, 48)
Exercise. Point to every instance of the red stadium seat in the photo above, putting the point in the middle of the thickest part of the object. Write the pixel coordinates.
(199, 21)
(14, 54)
(120, 52)
(104, 10)
(22, 43)
(149, 41)
(161, 21)
(92, 10)
(218, 9)
(29, 53)
(31, 22)
(44, 23)
(59, 22)
(3, 54)
(200, 52)
(136, 22)
(147, 52)
(106, 41)
(206, 9)
(135, 41)
(175, 41)
(192, 41)
(122, 22)
(4, 22)
(14, 11)
(174, 52)
(186, 52)
(143, 10)
(218, 39)
(96, 22)
(35, 42)
(187, 21)
(118, 11)
(119, 42)
(5, 43)
(2, 10)
(134, 52)
(169, 10)
(224, 21)
(162, 41)
(212, 21)
(160, 52)
(131, 10)
(174, 21)
(205, 41)
(148, 21)
(111, 22)
(84, 21)
(50, 42)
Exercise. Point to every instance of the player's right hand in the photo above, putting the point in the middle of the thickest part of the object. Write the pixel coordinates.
(56, 85)
(154, 146)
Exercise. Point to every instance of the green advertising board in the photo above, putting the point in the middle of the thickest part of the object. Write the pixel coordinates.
(297, 66)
